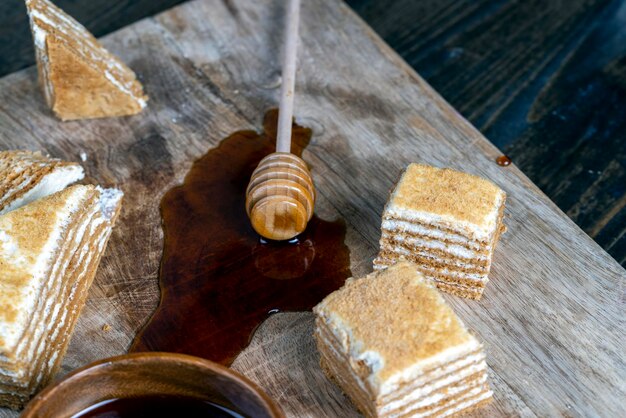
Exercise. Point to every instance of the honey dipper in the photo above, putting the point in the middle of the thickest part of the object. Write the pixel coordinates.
(281, 194)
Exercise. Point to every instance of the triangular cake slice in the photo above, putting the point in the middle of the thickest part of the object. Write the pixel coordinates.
(79, 77)
(49, 252)
(27, 176)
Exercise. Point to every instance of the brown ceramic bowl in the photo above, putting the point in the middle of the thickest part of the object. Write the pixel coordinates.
(149, 374)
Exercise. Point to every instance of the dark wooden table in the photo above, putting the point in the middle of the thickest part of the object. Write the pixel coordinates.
(544, 80)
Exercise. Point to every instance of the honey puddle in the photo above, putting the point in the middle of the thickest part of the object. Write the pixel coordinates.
(218, 280)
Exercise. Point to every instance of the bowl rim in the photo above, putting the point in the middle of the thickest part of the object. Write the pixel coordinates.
(42, 397)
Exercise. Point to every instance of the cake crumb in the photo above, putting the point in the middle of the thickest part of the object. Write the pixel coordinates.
(106, 328)
(83, 156)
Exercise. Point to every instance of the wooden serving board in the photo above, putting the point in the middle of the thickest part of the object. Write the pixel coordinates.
(552, 318)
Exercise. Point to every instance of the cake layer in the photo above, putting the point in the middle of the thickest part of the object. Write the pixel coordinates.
(466, 400)
(454, 277)
(415, 228)
(438, 248)
(435, 258)
(439, 400)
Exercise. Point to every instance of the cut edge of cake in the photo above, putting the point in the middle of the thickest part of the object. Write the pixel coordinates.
(27, 176)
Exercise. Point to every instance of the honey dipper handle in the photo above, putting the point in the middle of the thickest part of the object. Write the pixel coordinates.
(285, 115)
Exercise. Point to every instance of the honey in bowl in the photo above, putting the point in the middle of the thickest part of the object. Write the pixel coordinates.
(158, 406)
(152, 385)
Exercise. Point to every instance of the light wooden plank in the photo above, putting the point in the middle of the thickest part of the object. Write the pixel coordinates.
(552, 318)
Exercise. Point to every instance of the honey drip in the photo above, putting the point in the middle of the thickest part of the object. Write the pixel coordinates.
(218, 280)
(503, 161)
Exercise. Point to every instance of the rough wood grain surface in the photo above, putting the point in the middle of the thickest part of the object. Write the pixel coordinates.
(544, 80)
(552, 318)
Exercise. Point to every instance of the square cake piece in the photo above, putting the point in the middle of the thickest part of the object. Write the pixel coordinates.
(396, 349)
(446, 222)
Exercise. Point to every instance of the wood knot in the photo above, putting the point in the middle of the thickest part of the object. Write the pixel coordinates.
(280, 197)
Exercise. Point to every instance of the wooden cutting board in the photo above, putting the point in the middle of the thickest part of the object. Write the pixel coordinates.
(552, 318)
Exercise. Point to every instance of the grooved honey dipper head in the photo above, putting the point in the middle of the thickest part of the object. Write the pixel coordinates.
(280, 196)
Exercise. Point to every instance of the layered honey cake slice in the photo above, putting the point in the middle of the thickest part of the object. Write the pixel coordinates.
(79, 77)
(396, 349)
(49, 253)
(447, 223)
(26, 176)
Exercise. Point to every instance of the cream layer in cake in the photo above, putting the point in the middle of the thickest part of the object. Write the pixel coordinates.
(27, 176)
(419, 256)
(432, 271)
(413, 229)
(439, 376)
(435, 247)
